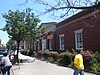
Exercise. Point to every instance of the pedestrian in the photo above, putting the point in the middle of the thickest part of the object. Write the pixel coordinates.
(7, 64)
(15, 56)
(78, 64)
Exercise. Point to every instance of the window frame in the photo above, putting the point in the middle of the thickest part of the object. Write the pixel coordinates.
(80, 31)
(60, 42)
(50, 44)
(43, 44)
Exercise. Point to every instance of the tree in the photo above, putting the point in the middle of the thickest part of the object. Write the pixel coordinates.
(32, 30)
(64, 8)
(32, 37)
(18, 24)
(10, 44)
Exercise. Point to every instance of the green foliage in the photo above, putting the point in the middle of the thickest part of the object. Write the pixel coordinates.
(43, 54)
(50, 59)
(65, 58)
(54, 55)
(10, 44)
(32, 25)
(64, 54)
(95, 62)
(25, 51)
(20, 25)
(91, 60)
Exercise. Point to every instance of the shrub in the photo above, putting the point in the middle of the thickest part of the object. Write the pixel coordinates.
(50, 59)
(54, 55)
(43, 54)
(65, 59)
(95, 62)
(87, 56)
(46, 54)
(25, 51)
(40, 53)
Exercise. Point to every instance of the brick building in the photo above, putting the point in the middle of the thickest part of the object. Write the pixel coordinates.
(81, 31)
(48, 37)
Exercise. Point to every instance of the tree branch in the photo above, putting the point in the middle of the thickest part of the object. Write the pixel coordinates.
(23, 3)
(66, 5)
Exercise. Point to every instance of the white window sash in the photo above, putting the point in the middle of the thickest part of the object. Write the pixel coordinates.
(50, 44)
(76, 39)
(43, 44)
(61, 45)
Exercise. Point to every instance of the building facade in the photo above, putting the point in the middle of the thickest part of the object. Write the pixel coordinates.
(81, 31)
(24, 44)
(48, 37)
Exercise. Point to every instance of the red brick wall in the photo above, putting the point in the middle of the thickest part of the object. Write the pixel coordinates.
(91, 33)
(53, 40)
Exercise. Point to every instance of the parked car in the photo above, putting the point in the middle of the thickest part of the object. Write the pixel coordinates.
(2, 51)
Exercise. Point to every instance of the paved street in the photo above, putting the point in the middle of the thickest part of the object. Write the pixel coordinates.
(42, 68)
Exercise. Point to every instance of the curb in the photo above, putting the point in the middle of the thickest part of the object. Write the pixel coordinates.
(97, 73)
(14, 73)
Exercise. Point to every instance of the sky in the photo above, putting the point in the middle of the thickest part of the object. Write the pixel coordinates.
(6, 5)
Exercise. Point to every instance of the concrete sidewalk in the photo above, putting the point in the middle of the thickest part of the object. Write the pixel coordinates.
(42, 68)
(11, 71)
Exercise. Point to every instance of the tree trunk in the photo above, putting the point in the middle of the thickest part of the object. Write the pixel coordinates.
(18, 50)
(30, 52)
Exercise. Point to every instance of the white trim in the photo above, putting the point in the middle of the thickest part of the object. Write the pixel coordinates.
(76, 32)
(43, 44)
(62, 35)
(50, 44)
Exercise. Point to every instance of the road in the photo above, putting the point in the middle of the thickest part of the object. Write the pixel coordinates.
(42, 68)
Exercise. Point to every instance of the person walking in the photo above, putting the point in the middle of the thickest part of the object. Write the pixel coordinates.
(7, 64)
(78, 64)
(15, 56)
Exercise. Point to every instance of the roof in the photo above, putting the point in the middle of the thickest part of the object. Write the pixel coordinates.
(44, 25)
(48, 23)
(80, 14)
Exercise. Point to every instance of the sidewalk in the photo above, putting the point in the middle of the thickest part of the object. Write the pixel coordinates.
(11, 71)
(42, 68)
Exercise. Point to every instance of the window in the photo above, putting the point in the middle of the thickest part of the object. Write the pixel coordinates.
(61, 39)
(79, 39)
(43, 44)
(50, 44)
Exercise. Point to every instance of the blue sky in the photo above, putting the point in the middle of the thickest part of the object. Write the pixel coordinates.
(6, 5)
